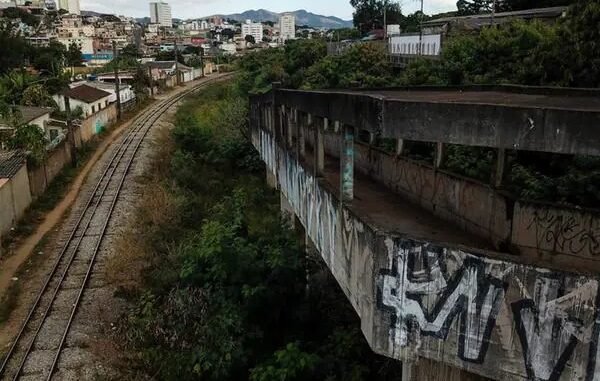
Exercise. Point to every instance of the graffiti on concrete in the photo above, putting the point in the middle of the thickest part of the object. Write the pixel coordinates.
(565, 232)
(470, 295)
(494, 317)
(429, 289)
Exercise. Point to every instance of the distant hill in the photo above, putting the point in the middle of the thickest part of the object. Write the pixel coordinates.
(302, 18)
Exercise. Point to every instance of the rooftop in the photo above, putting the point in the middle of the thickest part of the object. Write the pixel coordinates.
(29, 114)
(551, 12)
(162, 65)
(85, 93)
(11, 162)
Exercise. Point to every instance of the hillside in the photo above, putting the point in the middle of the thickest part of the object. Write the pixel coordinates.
(302, 18)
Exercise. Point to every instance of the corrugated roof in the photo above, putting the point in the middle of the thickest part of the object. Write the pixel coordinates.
(162, 65)
(28, 114)
(11, 162)
(85, 93)
(527, 13)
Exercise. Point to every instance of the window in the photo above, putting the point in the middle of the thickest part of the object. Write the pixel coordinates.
(93, 109)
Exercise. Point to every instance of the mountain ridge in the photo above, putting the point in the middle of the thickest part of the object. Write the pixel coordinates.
(303, 17)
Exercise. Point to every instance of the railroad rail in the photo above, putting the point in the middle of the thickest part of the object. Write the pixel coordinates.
(70, 274)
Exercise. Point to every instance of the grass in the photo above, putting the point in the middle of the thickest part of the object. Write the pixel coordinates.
(9, 300)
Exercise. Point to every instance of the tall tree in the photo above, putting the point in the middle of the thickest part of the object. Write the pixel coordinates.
(473, 7)
(369, 14)
(13, 49)
(73, 55)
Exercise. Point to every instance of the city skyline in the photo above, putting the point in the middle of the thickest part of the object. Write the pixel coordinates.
(186, 9)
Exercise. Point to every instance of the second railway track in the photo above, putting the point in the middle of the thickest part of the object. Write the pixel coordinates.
(47, 326)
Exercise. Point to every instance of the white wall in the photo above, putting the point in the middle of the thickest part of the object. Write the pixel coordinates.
(88, 109)
(409, 44)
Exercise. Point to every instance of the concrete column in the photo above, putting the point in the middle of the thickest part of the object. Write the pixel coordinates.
(278, 123)
(498, 176)
(347, 165)
(371, 138)
(301, 126)
(291, 127)
(271, 180)
(325, 124)
(440, 155)
(319, 148)
(287, 210)
(399, 147)
(336, 126)
(406, 371)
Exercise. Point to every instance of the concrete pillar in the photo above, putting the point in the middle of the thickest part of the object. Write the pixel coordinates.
(301, 126)
(290, 127)
(278, 122)
(319, 148)
(498, 175)
(399, 147)
(347, 165)
(406, 371)
(440, 155)
(371, 138)
(325, 124)
(287, 210)
(336, 126)
(271, 180)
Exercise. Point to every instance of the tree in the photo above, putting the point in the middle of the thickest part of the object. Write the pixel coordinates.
(141, 82)
(473, 7)
(21, 14)
(30, 138)
(50, 59)
(37, 95)
(580, 36)
(73, 55)
(13, 49)
(369, 14)
(250, 39)
(130, 51)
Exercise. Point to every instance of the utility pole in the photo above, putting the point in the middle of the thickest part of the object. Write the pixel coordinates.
(117, 80)
(176, 63)
(421, 30)
(202, 60)
(71, 132)
(151, 81)
(385, 5)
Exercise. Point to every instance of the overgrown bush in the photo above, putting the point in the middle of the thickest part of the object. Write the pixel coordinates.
(224, 295)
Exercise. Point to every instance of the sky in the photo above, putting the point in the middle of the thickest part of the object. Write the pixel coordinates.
(186, 9)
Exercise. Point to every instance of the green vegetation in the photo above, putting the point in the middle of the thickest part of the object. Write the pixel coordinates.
(224, 293)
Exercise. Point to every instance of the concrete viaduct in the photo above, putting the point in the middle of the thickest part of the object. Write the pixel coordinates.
(452, 276)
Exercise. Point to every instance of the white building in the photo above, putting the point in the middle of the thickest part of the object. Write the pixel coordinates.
(72, 6)
(85, 44)
(126, 91)
(254, 29)
(287, 27)
(160, 13)
(90, 99)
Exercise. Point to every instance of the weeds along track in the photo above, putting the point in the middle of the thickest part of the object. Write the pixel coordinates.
(47, 325)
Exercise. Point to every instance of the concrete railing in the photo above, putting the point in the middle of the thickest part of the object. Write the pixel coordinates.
(534, 315)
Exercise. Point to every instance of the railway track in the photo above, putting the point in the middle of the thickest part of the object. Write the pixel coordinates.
(47, 326)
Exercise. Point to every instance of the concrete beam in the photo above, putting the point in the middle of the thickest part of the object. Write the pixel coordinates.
(552, 123)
